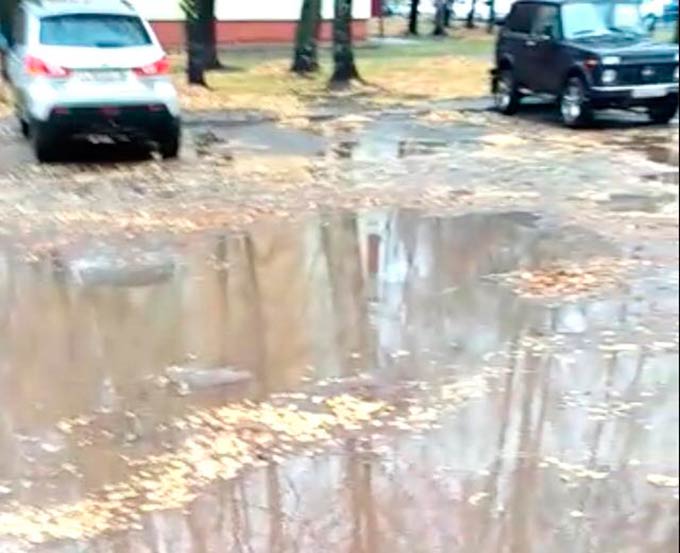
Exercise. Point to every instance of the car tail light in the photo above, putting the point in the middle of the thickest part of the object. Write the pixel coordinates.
(37, 67)
(161, 67)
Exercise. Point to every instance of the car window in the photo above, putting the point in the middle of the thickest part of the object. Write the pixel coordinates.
(625, 16)
(587, 19)
(521, 18)
(546, 22)
(93, 30)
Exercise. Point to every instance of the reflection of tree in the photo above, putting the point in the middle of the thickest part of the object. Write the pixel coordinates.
(259, 329)
(365, 534)
(397, 502)
(222, 277)
(274, 508)
(340, 243)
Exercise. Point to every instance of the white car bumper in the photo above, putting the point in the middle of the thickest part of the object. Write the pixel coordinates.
(44, 95)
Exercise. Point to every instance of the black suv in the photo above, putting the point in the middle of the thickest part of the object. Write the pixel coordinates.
(591, 54)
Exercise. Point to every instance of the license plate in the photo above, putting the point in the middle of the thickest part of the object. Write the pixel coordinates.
(101, 76)
(650, 92)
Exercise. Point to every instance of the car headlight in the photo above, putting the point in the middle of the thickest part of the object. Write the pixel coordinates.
(611, 60)
(609, 76)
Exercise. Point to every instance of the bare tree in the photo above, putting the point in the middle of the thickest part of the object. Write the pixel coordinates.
(470, 20)
(212, 60)
(440, 18)
(6, 15)
(196, 15)
(492, 16)
(344, 69)
(305, 55)
(413, 17)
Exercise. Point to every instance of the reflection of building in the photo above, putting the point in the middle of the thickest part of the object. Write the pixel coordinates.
(266, 21)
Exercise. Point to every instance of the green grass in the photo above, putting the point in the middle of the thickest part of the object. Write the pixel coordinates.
(665, 34)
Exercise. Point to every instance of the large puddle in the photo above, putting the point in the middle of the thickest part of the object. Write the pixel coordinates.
(559, 454)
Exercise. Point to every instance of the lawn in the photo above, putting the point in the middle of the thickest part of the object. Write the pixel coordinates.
(396, 71)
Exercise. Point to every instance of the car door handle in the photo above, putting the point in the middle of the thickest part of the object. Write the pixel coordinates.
(531, 43)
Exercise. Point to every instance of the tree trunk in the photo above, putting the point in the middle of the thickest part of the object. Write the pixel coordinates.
(194, 13)
(413, 18)
(492, 16)
(306, 53)
(343, 53)
(439, 15)
(212, 60)
(196, 55)
(448, 13)
(470, 22)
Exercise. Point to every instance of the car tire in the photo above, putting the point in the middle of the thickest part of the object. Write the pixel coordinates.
(506, 93)
(575, 107)
(169, 145)
(42, 140)
(663, 111)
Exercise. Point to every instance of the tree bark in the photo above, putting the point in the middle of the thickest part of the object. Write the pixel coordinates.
(448, 13)
(413, 18)
(196, 55)
(7, 8)
(343, 52)
(306, 53)
(492, 16)
(194, 13)
(439, 18)
(470, 22)
(212, 60)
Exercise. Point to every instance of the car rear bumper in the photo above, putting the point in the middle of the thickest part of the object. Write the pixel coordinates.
(150, 121)
(43, 95)
(631, 96)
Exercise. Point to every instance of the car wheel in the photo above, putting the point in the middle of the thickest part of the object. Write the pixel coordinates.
(506, 93)
(169, 145)
(663, 111)
(574, 105)
(42, 140)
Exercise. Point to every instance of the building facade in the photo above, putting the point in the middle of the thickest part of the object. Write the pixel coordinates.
(263, 21)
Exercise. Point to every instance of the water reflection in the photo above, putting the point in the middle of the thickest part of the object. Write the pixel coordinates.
(397, 294)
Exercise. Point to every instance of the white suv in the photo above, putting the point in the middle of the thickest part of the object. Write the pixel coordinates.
(90, 68)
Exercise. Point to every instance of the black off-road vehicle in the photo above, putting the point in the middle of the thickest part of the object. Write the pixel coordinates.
(590, 54)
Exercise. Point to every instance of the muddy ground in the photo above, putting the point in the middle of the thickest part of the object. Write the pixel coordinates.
(409, 331)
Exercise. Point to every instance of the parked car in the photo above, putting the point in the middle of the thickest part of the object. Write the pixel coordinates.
(83, 68)
(590, 54)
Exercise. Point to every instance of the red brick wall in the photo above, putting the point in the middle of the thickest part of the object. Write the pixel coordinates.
(171, 33)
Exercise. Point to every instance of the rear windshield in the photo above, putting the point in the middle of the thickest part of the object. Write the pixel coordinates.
(93, 30)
